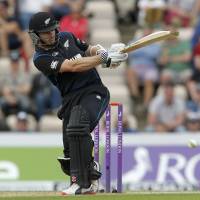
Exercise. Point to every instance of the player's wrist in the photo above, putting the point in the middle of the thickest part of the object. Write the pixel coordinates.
(100, 49)
(102, 52)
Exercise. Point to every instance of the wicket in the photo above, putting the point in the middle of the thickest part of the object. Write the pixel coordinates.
(108, 145)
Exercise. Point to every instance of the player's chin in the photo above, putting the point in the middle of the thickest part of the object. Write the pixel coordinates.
(52, 41)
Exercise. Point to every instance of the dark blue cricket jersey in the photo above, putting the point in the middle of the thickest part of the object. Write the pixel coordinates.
(50, 61)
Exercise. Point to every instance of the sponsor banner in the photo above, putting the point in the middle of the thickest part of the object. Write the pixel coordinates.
(150, 161)
(151, 167)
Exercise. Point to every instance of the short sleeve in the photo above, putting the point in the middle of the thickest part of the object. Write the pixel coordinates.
(48, 64)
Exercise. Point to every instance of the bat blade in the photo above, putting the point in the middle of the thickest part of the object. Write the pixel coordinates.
(150, 39)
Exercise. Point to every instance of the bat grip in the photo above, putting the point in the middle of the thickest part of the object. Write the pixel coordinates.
(122, 51)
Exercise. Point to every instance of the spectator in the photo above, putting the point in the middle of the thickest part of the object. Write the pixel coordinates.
(126, 11)
(126, 124)
(151, 11)
(15, 87)
(196, 34)
(195, 78)
(175, 59)
(75, 22)
(12, 41)
(4, 126)
(143, 71)
(193, 105)
(11, 37)
(192, 123)
(22, 122)
(61, 8)
(180, 12)
(28, 7)
(44, 95)
(3, 123)
(166, 112)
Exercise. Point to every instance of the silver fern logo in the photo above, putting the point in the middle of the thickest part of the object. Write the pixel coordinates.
(47, 21)
(66, 44)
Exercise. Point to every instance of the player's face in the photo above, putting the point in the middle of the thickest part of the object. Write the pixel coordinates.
(48, 37)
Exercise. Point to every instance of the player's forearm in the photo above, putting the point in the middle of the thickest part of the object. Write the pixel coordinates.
(80, 64)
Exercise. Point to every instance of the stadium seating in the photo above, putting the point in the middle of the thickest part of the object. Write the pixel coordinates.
(12, 120)
(101, 9)
(98, 24)
(104, 37)
(50, 123)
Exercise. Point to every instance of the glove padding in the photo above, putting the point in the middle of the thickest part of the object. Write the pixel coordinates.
(116, 56)
(117, 47)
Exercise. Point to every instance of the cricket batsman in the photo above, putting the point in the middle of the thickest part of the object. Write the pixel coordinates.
(70, 64)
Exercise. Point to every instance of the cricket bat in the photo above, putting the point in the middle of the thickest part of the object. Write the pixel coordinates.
(150, 39)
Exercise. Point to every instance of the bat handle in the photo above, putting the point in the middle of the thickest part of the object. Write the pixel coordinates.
(123, 50)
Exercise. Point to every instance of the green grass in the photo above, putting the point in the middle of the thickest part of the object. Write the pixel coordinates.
(36, 163)
(41, 162)
(133, 196)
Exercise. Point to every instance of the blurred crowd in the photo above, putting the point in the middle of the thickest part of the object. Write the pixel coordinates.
(24, 93)
(163, 79)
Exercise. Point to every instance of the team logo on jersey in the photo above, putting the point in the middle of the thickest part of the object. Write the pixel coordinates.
(54, 64)
(55, 53)
(47, 21)
(66, 44)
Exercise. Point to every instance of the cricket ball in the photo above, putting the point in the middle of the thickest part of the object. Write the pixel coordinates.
(192, 143)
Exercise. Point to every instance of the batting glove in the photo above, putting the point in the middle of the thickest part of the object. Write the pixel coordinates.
(115, 55)
(112, 58)
(116, 47)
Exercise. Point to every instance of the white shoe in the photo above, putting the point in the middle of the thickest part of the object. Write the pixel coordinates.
(95, 183)
(75, 189)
